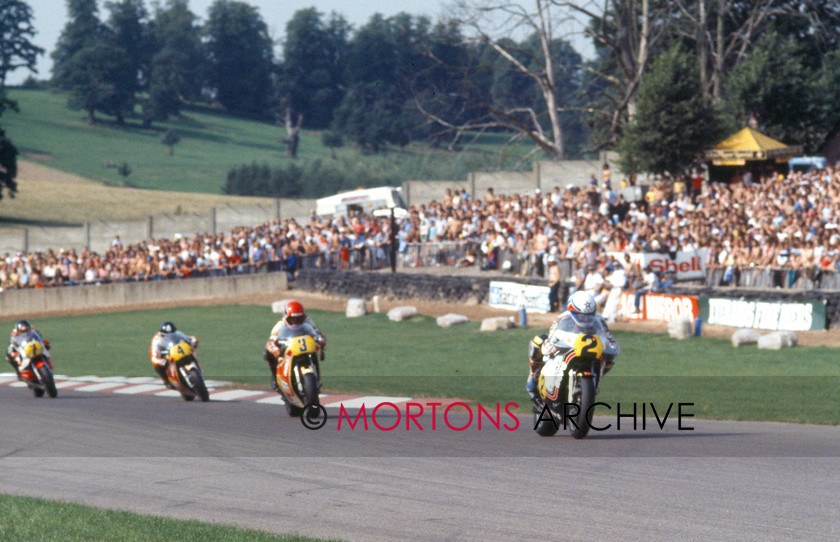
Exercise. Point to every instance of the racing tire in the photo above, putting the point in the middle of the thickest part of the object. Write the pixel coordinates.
(310, 390)
(581, 425)
(48, 380)
(543, 427)
(198, 385)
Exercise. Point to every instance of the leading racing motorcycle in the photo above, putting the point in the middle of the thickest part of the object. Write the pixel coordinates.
(298, 372)
(570, 377)
(34, 367)
(184, 372)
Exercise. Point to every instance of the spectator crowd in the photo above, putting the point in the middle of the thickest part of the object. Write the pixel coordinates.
(787, 225)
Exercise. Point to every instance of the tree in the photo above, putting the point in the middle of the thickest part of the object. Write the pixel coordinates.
(99, 80)
(774, 87)
(176, 66)
(88, 63)
(82, 29)
(313, 69)
(16, 51)
(535, 65)
(674, 122)
(16, 34)
(130, 32)
(382, 56)
(170, 139)
(8, 165)
(240, 56)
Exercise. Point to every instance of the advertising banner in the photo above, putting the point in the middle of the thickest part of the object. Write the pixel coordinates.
(511, 295)
(686, 265)
(770, 315)
(662, 307)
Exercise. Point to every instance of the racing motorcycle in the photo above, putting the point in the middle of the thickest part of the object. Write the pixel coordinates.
(34, 368)
(184, 372)
(297, 373)
(569, 379)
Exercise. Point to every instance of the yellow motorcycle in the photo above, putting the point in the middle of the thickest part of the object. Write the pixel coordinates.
(298, 377)
(184, 372)
(568, 382)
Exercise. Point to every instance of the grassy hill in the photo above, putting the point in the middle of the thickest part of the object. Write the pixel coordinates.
(49, 133)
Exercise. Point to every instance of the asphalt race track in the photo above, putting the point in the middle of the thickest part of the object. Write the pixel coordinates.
(249, 464)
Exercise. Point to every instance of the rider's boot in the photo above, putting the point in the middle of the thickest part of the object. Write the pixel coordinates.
(531, 387)
(161, 371)
(15, 367)
(272, 364)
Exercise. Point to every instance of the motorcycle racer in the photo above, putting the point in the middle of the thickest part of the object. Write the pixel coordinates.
(22, 333)
(294, 316)
(167, 336)
(580, 316)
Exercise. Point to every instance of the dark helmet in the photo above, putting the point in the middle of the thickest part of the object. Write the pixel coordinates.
(23, 326)
(294, 313)
(167, 327)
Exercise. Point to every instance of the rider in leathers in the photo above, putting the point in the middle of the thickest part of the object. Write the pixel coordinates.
(580, 316)
(294, 315)
(161, 342)
(23, 333)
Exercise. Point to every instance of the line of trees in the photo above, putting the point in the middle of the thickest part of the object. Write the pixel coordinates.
(665, 72)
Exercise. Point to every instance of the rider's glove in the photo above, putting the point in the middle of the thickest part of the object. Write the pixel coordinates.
(47, 344)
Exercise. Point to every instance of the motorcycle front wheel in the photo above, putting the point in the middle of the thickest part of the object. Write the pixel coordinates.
(580, 424)
(198, 385)
(47, 379)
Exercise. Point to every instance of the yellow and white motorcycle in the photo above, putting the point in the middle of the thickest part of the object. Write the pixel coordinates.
(569, 379)
(298, 372)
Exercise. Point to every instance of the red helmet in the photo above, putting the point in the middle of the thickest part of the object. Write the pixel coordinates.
(294, 313)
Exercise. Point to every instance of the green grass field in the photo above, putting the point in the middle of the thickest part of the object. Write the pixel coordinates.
(30, 519)
(373, 355)
(211, 143)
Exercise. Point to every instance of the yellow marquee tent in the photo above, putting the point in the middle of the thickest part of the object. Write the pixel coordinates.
(749, 145)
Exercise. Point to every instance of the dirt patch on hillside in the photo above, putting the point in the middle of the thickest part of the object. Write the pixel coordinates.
(313, 300)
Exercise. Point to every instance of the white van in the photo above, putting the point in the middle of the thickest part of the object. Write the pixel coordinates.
(362, 200)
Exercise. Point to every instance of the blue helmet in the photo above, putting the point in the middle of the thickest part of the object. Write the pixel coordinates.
(167, 327)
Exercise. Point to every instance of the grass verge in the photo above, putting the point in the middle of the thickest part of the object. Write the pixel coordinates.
(32, 519)
(373, 355)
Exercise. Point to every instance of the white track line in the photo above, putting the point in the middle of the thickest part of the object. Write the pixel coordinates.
(102, 386)
(142, 388)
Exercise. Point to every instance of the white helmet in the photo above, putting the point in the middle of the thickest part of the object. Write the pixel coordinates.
(582, 309)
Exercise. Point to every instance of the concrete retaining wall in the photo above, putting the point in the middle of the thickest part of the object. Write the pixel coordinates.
(98, 235)
(18, 303)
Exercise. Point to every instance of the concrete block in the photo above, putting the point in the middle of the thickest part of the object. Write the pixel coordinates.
(355, 308)
(682, 328)
(398, 314)
(745, 336)
(776, 340)
(451, 319)
(279, 307)
(497, 323)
